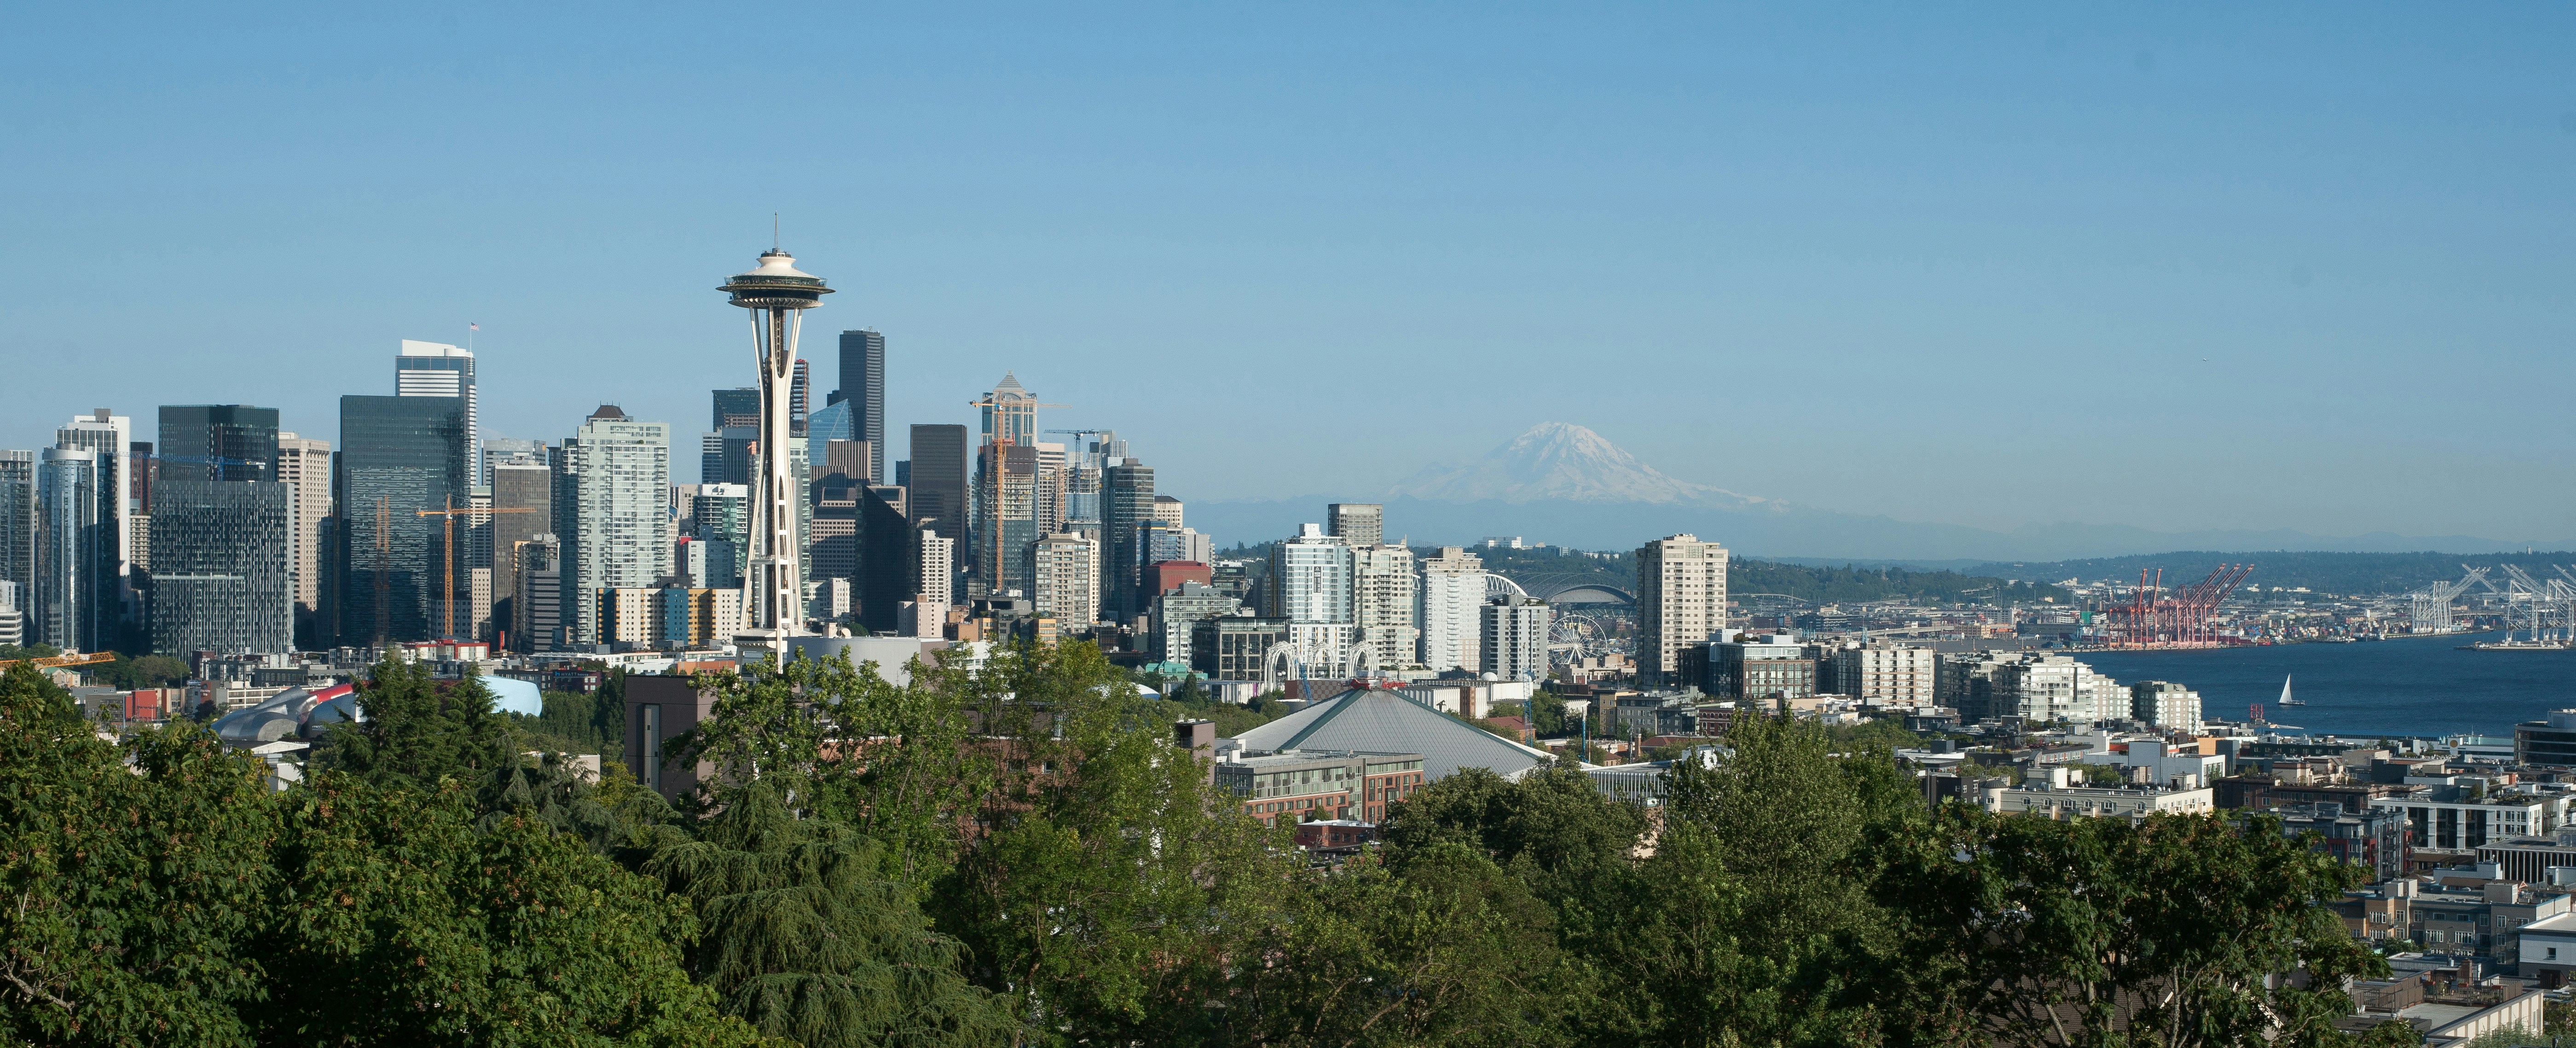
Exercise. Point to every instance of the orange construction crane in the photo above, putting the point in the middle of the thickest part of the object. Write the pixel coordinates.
(57, 661)
(451, 513)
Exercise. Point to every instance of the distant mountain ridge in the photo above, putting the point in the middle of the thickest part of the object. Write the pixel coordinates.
(1564, 484)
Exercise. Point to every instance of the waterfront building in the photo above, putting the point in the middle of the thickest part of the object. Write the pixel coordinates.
(435, 369)
(2165, 705)
(1383, 604)
(1681, 602)
(863, 388)
(619, 475)
(398, 457)
(1357, 524)
(1514, 638)
(2055, 688)
(1884, 674)
(1449, 610)
(1066, 578)
(70, 551)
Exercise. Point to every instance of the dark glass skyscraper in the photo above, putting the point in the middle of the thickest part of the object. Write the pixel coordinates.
(936, 481)
(220, 542)
(1127, 504)
(863, 386)
(398, 456)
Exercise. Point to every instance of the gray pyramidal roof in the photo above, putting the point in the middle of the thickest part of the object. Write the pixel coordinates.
(1376, 720)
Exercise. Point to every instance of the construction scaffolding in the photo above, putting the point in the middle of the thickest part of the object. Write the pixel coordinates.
(2180, 618)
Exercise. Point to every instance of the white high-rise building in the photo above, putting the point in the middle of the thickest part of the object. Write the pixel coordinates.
(1310, 578)
(2055, 688)
(436, 369)
(938, 568)
(1884, 674)
(1447, 610)
(111, 439)
(2165, 705)
(1065, 572)
(304, 466)
(1681, 601)
(620, 473)
(1382, 603)
(1514, 635)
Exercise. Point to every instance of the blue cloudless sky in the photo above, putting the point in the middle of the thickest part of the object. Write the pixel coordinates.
(2208, 266)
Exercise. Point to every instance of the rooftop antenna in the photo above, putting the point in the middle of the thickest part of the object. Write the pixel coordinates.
(773, 231)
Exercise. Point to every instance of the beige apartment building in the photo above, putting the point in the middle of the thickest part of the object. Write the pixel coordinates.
(1681, 601)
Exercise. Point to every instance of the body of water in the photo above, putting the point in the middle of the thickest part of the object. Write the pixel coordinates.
(2420, 686)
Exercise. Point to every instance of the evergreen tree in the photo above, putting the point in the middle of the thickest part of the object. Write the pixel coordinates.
(414, 731)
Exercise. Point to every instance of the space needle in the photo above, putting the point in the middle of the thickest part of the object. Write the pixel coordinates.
(777, 295)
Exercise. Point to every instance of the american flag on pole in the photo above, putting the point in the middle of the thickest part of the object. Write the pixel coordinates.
(470, 326)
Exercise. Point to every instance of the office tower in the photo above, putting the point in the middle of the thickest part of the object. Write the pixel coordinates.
(71, 542)
(1178, 611)
(1127, 503)
(1382, 603)
(889, 569)
(13, 620)
(938, 567)
(222, 533)
(834, 550)
(1681, 601)
(796, 402)
(721, 515)
(140, 468)
(1514, 638)
(863, 389)
(1006, 501)
(1884, 674)
(536, 620)
(435, 369)
(1167, 510)
(525, 484)
(847, 458)
(509, 450)
(1358, 523)
(304, 466)
(399, 456)
(1310, 578)
(830, 422)
(1052, 468)
(1066, 578)
(18, 523)
(1450, 617)
(107, 437)
(778, 296)
(1010, 412)
(619, 470)
(735, 408)
(935, 483)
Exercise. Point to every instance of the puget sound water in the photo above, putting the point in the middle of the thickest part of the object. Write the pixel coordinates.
(2412, 686)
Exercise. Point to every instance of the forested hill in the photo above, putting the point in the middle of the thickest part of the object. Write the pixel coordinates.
(2339, 573)
(1849, 584)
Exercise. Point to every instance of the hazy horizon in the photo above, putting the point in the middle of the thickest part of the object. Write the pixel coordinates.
(2186, 271)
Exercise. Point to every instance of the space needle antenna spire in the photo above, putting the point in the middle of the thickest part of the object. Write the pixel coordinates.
(777, 295)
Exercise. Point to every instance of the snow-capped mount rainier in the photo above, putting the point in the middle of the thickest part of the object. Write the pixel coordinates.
(1564, 484)
(1560, 461)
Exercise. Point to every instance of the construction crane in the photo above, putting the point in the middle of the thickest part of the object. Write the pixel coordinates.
(448, 603)
(2429, 609)
(2153, 619)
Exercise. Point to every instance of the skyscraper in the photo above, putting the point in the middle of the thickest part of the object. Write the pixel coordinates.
(1382, 603)
(1452, 592)
(1515, 638)
(304, 466)
(18, 522)
(796, 397)
(1065, 582)
(936, 481)
(1006, 505)
(889, 570)
(398, 456)
(1681, 601)
(778, 296)
(63, 608)
(436, 369)
(1310, 578)
(1127, 504)
(108, 437)
(222, 532)
(1010, 412)
(536, 620)
(863, 388)
(1357, 523)
(620, 475)
(721, 515)
(518, 483)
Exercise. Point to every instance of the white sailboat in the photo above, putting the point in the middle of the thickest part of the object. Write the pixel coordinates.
(2286, 700)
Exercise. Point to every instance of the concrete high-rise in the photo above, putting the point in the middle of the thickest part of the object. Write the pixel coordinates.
(1126, 506)
(536, 615)
(1449, 612)
(398, 457)
(863, 388)
(1383, 603)
(70, 543)
(1357, 523)
(1310, 578)
(935, 483)
(304, 466)
(1065, 579)
(1167, 510)
(1514, 641)
(777, 295)
(620, 475)
(938, 568)
(436, 369)
(222, 533)
(1681, 601)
